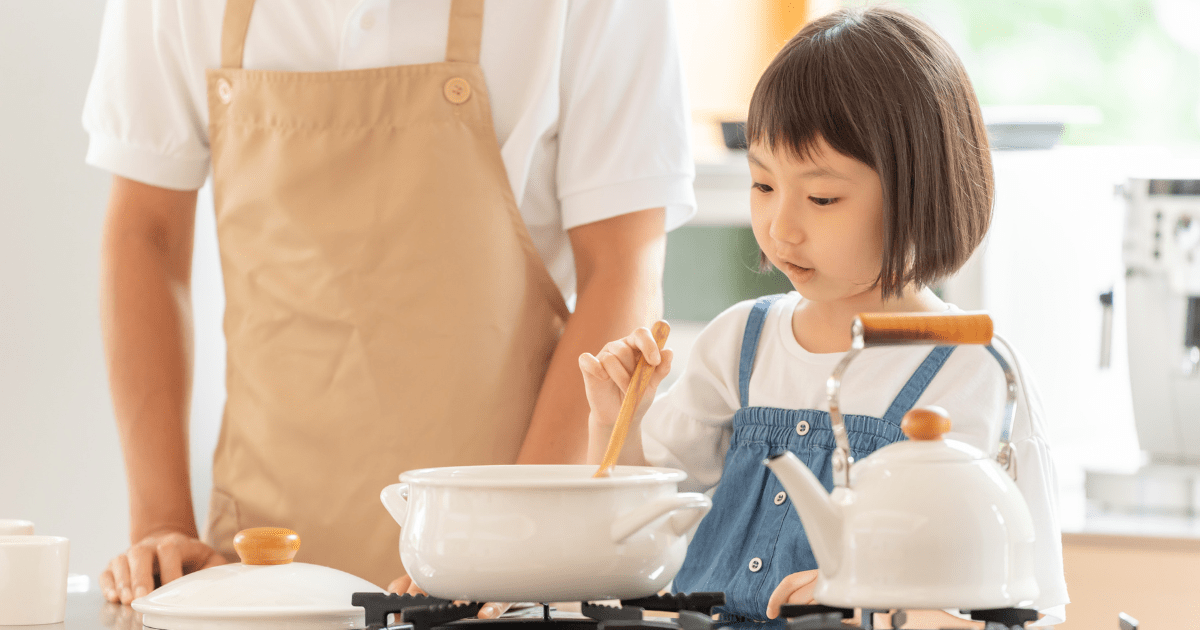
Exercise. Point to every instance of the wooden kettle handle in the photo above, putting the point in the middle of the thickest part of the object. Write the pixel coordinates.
(885, 329)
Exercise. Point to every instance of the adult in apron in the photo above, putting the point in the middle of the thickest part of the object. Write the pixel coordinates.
(753, 538)
(386, 309)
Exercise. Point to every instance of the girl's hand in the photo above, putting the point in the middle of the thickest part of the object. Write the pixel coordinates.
(607, 376)
(405, 586)
(796, 588)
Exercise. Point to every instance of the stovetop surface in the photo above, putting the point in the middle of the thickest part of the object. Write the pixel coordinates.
(88, 611)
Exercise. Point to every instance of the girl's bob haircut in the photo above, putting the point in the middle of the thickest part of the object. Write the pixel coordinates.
(881, 87)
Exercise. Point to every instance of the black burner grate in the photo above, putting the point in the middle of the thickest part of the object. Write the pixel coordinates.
(418, 611)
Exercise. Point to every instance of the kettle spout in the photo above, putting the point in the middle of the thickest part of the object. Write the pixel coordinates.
(822, 518)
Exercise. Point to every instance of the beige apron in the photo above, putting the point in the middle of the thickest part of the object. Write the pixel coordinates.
(386, 309)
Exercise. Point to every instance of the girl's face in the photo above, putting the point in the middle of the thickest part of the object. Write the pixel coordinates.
(819, 220)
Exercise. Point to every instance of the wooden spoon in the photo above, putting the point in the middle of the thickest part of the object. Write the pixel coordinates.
(633, 395)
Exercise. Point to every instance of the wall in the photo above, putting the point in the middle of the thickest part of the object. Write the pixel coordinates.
(60, 462)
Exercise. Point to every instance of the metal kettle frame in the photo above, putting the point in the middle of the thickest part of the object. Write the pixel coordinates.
(906, 329)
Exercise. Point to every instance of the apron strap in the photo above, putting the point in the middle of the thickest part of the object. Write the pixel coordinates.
(916, 385)
(754, 325)
(233, 32)
(466, 31)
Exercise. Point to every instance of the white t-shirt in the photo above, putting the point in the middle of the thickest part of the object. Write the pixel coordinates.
(588, 96)
(690, 425)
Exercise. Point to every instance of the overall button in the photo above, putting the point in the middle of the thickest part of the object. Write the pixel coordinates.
(780, 498)
(224, 90)
(756, 564)
(457, 90)
(802, 428)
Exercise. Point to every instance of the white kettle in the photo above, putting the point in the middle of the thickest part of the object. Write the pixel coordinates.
(926, 523)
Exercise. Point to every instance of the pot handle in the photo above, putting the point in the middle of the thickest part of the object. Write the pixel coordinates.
(693, 505)
(395, 499)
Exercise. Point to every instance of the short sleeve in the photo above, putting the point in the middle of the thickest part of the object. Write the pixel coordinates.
(625, 119)
(689, 426)
(142, 112)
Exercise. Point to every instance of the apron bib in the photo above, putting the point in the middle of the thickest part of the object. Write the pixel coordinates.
(752, 538)
(386, 309)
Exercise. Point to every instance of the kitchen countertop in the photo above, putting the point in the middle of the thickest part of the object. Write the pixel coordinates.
(87, 610)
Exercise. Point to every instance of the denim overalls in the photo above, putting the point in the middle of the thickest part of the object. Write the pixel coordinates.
(753, 538)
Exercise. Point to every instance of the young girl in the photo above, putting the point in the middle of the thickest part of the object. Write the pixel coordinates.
(871, 181)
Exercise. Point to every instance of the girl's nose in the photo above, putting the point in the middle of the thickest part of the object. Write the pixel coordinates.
(786, 227)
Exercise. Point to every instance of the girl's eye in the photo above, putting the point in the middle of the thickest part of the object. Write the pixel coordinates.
(823, 201)
(762, 187)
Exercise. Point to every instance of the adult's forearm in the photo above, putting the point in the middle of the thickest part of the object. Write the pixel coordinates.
(146, 323)
(609, 308)
(615, 296)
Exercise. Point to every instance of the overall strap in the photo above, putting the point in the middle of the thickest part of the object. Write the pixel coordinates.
(233, 32)
(466, 30)
(754, 325)
(916, 385)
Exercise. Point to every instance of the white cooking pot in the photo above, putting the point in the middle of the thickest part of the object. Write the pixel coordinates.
(542, 533)
(266, 591)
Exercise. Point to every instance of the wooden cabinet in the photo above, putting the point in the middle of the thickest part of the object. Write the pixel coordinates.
(1153, 579)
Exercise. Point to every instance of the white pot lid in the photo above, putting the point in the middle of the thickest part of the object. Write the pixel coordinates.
(265, 590)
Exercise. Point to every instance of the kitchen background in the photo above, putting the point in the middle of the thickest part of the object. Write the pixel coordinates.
(1124, 76)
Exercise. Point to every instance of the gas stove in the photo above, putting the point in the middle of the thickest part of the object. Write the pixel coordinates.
(695, 610)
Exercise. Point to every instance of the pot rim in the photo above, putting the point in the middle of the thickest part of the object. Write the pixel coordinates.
(539, 476)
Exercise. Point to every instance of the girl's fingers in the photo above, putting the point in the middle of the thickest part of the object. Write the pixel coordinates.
(590, 365)
(664, 366)
(616, 369)
(623, 350)
(643, 340)
(399, 585)
(794, 589)
(493, 610)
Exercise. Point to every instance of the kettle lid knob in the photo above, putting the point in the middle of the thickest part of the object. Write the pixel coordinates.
(926, 423)
(266, 545)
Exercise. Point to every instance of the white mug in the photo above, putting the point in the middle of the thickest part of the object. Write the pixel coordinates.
(33, 579)
(14, 527)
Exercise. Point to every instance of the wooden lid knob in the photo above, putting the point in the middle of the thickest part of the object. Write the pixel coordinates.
(926, 423)
(266, 545)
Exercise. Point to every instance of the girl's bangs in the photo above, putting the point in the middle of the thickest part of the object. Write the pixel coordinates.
(802, 97)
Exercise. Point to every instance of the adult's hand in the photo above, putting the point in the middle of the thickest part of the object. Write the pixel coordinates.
(407, 586)
(166, 555)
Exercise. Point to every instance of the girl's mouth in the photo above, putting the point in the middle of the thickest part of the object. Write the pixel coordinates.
(798, 273)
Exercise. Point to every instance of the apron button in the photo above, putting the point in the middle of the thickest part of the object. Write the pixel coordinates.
(780, 498)
(224, 91)
(802, 428)
(756, 565)
(457, 90)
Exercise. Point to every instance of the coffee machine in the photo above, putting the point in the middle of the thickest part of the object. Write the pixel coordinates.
(1161, 256)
